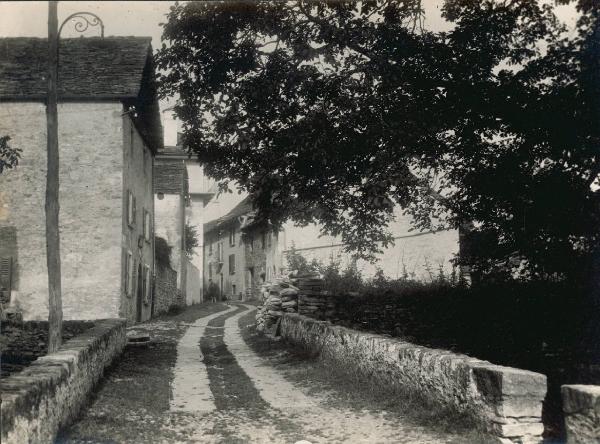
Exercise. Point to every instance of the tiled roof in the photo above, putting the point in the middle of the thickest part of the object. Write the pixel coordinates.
(244, 207)
(172, 151)
(170, 177)
(93, 67)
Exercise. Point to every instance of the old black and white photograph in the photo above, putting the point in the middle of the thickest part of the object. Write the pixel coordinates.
(300, 222)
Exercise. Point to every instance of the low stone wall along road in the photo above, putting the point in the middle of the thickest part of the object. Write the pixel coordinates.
(209, 377)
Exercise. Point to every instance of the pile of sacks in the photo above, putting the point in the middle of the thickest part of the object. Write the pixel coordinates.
(277, 298)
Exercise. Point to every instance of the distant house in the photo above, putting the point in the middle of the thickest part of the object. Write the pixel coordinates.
(179, 202)
(109, 132)
(239, 255)
(171, 193)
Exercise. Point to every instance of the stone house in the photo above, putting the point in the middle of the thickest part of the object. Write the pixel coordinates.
(239, 255)
(109, 131)
(181, 193)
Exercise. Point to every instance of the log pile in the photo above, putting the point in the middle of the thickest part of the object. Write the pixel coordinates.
(300, 294)
(312, 300)
(277, 298)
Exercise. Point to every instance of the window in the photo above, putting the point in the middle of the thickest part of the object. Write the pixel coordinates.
(210, 247)
(220, 252)
(147, 290)
(232, 264)
(233, 290)
(129, 273)
(130, 208)
(147, 225)
(232, 236)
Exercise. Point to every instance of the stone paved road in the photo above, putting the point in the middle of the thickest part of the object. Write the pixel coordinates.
(203, 382)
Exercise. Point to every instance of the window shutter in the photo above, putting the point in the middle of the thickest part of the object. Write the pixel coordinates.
(5, 279)
(134, 210)
(231, 263)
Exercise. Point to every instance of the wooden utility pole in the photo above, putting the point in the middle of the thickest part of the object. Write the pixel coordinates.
(52, 184)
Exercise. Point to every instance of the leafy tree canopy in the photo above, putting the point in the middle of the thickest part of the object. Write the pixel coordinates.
(335, 111)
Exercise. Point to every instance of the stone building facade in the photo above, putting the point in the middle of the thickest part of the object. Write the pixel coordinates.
(239, 255)
(109, 131)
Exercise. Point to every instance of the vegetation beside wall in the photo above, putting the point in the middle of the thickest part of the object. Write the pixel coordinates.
(543, 326)
(162, 251)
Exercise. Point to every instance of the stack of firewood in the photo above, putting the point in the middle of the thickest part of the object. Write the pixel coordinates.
(312, 300)
(280, 296)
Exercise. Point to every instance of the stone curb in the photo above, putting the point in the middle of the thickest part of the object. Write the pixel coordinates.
(505, 401)
(49, 393)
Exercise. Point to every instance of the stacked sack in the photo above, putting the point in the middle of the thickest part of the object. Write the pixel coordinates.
(277, 297)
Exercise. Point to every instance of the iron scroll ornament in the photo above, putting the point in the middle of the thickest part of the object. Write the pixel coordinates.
(83, 20)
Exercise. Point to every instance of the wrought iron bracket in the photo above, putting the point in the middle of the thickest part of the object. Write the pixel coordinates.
(83, 20)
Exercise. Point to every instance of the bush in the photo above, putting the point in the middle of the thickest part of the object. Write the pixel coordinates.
(545, 327)
(162, 251)
(191, 240)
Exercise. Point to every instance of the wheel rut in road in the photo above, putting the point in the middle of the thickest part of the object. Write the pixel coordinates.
(232, 388)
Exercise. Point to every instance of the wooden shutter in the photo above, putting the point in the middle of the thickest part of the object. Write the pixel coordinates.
(231, 263)
(5, 279)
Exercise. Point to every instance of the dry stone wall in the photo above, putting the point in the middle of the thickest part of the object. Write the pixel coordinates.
(581, 406)
(507, 402)
(166, 293)
(49, 394)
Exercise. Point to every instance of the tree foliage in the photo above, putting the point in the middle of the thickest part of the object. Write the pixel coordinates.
(162, 252)
(191, 240)
(9, 156)
(336, 111)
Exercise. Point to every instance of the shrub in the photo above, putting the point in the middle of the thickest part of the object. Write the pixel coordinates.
(191, 240)
(162, 251)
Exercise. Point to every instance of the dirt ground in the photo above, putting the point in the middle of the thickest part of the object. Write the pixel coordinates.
(210, 378)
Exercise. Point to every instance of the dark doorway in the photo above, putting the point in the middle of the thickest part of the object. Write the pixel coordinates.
(221, 289)
(140, 295)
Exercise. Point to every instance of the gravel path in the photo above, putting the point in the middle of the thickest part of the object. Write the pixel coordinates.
(219, 389)
(191, 392)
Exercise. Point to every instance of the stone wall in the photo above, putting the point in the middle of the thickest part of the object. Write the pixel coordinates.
(24, 342)
(166, 294)
(581, 407)
(169, 225)
(49, 394)
(91, 183)
(507, 402)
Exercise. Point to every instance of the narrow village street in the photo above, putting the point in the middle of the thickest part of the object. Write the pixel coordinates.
(208, 377)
